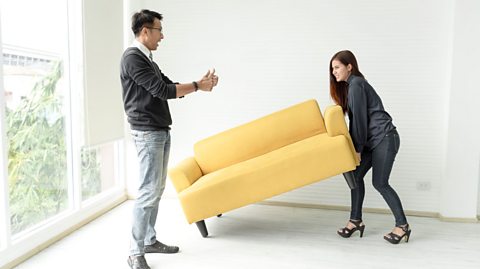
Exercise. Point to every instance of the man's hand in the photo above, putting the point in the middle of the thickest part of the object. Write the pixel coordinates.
(208, 81)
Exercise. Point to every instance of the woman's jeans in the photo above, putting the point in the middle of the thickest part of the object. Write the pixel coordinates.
(153, 148)
(380, 159)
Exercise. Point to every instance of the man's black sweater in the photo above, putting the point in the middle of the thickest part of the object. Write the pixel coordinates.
(145, 92)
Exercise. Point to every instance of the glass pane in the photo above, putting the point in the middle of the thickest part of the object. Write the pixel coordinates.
(98, 169)
(34, 49)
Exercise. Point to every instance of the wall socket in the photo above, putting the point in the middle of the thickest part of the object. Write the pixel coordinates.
(424, 186)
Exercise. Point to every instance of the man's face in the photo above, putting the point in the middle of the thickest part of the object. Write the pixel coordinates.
(153, 35)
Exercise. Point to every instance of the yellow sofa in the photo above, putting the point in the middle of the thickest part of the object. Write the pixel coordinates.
(277, 153)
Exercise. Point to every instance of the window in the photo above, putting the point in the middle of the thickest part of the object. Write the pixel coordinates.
(99, 168)
(50, 177)
(36, 105)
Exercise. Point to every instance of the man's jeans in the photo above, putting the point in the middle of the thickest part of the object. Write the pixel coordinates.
(153, 148)
(380, 159)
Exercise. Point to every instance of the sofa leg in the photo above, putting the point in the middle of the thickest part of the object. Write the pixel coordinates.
(202, 227)
(350, 178)
(219, 215)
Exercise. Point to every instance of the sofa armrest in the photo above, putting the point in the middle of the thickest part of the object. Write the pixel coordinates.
(185, 174)
(335, 125)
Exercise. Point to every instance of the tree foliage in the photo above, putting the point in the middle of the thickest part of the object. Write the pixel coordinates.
(37, 158)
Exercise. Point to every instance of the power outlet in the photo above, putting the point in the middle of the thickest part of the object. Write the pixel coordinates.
(424, 186)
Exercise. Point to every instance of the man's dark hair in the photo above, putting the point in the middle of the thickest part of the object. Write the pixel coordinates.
(144, 18)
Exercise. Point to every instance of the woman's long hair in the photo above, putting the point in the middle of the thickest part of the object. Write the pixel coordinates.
(339, 90)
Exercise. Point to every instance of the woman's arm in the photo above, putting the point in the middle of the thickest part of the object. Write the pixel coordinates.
(358, 106)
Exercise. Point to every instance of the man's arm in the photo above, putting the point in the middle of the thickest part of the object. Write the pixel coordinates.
(143, 74)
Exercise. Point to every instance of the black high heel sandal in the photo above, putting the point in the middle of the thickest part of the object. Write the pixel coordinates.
(346, 232)
(395, 238)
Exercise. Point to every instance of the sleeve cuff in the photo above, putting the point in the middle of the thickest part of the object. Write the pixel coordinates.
(172, 91)
(359, 149)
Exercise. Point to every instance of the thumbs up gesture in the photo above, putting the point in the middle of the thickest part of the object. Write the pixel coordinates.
(208, 81)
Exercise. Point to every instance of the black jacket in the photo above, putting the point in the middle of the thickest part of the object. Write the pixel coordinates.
(369, 122)
(145, 92)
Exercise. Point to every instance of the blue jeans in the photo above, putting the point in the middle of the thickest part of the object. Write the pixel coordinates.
(153, 148)
(380, 159)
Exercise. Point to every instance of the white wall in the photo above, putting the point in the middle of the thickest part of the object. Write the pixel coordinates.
(272, 54)
(459, 197)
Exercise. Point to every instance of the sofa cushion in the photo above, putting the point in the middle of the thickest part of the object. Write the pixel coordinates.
(259, 136)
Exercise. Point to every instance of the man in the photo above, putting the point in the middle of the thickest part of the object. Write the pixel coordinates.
(145, 93)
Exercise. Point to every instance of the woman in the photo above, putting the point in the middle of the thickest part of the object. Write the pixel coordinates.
(375, 138)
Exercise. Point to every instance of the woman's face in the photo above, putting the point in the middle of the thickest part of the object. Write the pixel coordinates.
(341, 71)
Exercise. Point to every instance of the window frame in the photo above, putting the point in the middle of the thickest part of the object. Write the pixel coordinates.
(5, 230)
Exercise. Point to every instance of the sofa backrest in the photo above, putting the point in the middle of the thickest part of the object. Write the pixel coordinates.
(260, 136)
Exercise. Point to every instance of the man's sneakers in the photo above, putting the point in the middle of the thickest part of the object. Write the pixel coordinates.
(137, 262)
(159, 247)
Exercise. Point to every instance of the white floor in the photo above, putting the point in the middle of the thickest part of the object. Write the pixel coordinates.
(263, 236)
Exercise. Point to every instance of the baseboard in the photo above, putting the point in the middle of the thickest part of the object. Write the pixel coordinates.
(464, 220)
(414, 213)
(347, 208)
